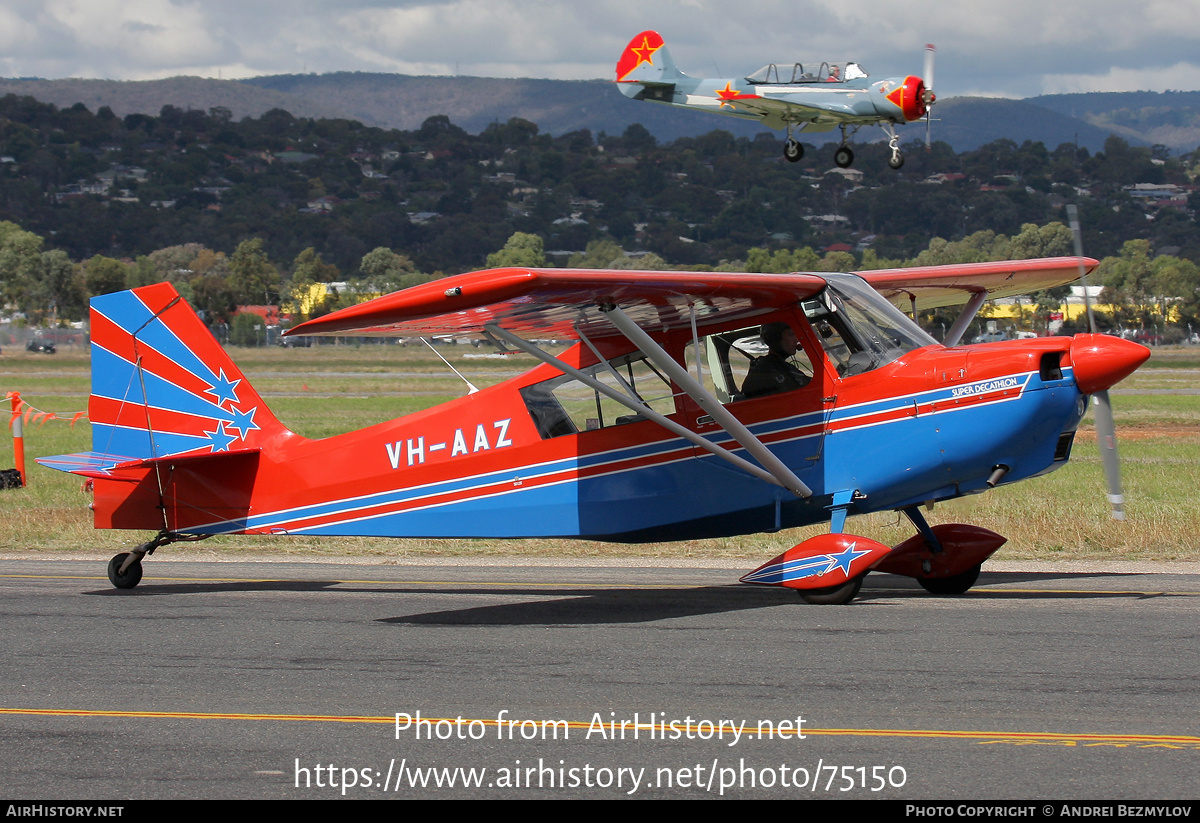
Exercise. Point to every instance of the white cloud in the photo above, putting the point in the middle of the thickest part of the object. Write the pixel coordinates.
(1016, 48)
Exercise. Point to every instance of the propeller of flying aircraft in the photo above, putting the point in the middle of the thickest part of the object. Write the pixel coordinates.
(1106, 431)
(930, 97)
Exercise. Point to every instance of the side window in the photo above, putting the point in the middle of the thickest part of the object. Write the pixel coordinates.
(751, 362)
(566, 405)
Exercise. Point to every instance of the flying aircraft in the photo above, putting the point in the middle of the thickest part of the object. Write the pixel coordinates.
(814, 97)
(692, 404)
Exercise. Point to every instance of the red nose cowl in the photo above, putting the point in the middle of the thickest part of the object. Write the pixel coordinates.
(1102, 361)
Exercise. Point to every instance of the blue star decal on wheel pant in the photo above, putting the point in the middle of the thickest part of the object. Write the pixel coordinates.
(844, 559)
(220, 438)
(243, 422)
(224, 389)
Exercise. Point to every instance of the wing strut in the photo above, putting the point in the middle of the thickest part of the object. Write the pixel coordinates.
(964, 320)
(638, 407)
(721, 415)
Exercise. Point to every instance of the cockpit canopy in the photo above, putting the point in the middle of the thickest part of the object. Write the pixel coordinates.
(786, 74)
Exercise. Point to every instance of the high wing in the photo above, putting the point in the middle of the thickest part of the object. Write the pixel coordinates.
(562, 302)
(951, 285)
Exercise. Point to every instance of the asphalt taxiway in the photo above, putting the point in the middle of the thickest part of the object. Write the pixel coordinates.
(283, 680)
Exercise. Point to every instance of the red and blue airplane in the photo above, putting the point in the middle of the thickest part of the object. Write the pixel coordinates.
(692, 405)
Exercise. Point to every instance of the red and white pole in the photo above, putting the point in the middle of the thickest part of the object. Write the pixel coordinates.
(18, 430)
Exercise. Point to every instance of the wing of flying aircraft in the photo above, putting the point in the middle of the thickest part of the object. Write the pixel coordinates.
(793, 96)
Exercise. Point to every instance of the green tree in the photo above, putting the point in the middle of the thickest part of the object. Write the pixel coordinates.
(599, 254)
(782, 261)
(247, 329)
(1127, 283)
(254, 279)
(980, 247)
(521, 250)
(20, 264)
(59, 290)
(309, 267)
(1033, 241)
(103, 275)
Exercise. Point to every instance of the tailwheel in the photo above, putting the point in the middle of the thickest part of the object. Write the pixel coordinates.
(960, 583)
(130, 577)
(792, 150)
(833, 595)
(843, 157)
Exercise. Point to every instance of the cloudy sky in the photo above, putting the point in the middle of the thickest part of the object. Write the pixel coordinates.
(1016, 48)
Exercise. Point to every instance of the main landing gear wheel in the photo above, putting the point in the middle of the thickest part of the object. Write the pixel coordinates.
(896, 160)
(132, 575)
(792, 150)
(958, 584)
(843, 157)
(834, 595)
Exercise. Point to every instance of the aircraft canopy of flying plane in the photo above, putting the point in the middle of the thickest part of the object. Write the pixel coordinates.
(815, 97)
(693, 404)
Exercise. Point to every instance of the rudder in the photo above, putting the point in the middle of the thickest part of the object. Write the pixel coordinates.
(162, 385)
(646, 60)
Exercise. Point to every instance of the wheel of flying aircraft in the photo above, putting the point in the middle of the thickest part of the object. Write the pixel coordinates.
(958, 584)
(896, 160)
(792, 150)
(834, 595)
(127, 579)
(843, 157)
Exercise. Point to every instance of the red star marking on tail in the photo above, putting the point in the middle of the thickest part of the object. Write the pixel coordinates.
(644, 53)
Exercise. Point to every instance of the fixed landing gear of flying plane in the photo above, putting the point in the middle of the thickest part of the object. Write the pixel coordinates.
(792, 150)
(843, 157)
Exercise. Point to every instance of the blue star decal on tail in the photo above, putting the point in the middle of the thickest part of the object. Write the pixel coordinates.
(224, 389)
(220, 438)
(243, 422)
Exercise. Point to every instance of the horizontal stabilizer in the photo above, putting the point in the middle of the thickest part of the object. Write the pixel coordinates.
(109, 467)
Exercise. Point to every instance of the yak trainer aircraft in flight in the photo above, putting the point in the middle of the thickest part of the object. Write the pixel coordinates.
(812, 97)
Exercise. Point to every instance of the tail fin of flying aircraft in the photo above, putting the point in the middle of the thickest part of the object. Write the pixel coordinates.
(163, 386)
(647, 61)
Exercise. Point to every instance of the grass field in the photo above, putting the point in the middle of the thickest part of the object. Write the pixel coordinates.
(330, 389)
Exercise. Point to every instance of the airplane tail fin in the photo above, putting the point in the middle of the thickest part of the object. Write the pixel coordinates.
(163, 386)
(647, 61)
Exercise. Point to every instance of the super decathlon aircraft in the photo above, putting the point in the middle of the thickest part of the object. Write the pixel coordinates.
(693, 405)
(813, 97)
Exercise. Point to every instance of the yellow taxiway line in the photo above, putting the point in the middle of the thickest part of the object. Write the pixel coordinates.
(1027, 738)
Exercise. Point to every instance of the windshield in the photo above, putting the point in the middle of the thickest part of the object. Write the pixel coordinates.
(860, 330)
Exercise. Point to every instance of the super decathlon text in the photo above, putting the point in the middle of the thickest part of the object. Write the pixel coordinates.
(988, 386)
(415, 449)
